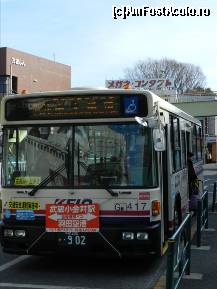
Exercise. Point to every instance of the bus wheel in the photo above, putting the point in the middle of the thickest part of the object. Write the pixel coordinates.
(177, 213)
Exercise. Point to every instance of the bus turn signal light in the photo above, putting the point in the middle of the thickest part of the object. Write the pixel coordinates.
(155, 208)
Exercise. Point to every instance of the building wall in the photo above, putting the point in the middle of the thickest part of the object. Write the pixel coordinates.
(211, 125)
(2, 61)
(33, 73)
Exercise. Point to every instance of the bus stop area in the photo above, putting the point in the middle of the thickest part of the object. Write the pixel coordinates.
(203, 259)
(202, 264)
(203, 268)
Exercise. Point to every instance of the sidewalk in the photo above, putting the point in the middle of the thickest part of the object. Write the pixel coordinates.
(203, 260)
(210, 166)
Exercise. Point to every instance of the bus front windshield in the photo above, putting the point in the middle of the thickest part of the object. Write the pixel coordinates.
(91, 156)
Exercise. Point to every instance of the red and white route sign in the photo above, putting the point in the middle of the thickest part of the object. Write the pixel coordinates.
(72, 218)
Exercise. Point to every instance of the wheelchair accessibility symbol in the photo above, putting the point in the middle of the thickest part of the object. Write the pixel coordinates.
(131, 105)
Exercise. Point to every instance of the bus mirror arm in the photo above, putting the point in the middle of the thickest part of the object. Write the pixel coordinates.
(150, 122)
(141, 121)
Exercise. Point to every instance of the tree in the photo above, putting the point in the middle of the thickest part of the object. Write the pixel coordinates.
(185, 75)
(200, 91)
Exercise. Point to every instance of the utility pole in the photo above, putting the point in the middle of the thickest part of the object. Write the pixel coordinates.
(11, 80)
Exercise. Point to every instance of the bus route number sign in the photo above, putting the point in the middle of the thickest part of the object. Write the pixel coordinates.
(72, 218)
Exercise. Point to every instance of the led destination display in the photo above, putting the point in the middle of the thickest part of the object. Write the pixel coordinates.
(73, 106)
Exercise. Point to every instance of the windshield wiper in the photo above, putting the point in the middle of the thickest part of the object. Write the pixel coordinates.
(106, 186)
(47, 180)
(111, 192)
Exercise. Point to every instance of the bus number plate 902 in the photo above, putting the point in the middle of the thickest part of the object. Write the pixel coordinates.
(75, 240)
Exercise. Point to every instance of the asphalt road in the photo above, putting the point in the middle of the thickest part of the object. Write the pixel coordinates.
(61, 273)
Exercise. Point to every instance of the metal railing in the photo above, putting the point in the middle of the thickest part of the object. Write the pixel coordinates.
(214, 197)
(202, 216)
(179, 254)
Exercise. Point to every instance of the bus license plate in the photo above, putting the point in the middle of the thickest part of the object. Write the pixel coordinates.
(75, 240)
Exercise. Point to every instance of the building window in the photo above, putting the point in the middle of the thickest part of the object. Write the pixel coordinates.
(4, 84)
(3, 88)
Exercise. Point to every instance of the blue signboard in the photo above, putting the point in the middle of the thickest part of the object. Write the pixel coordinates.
(23, 215)
(131, 105)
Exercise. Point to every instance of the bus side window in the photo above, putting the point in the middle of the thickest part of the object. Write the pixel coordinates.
(194, 143)
(175, 143)
(199, 143)
(184, 152)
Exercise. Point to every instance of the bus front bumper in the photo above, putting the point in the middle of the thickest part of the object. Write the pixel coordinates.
(107, 242)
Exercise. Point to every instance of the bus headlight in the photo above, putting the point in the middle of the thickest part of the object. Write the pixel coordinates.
(20, 233)
(8, 233)
(127, 235)
(142, 236)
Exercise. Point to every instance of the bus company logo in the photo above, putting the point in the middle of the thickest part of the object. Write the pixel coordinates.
(144, 196)
(73, 201)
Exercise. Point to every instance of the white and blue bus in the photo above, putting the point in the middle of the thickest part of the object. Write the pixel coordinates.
(94, 171)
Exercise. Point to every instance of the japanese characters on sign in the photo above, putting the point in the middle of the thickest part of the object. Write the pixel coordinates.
(150, 84)
(23, 204)
(27, 181)
(72, 218)
(63, 107)
(17, 61)
(144, 196)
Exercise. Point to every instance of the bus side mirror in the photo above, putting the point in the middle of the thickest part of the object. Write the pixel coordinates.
(159, 139)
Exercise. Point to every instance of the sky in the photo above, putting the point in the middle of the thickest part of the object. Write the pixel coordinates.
(85, 35)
